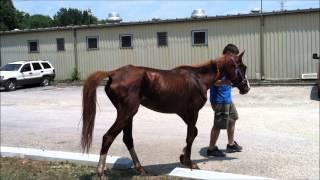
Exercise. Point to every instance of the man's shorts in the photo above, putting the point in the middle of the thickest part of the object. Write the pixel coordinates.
(223, 114)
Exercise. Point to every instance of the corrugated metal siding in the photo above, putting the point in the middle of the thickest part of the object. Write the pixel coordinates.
(15, 48)
(289, 41)
(243, 32)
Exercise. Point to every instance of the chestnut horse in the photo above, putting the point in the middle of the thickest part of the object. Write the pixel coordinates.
(182, 90)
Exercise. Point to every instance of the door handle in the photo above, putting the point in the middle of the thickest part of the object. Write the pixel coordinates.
(41, 71)
(30, 72)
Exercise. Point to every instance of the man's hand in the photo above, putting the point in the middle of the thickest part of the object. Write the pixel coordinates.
(222, 82)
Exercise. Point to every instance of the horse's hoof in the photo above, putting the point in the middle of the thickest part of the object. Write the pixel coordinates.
(182, 159)
(142, 171)
(99, 176)
(194, 166)
(188, 163)
(99, 173)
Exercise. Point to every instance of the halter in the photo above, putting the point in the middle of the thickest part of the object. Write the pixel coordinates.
(244, 77)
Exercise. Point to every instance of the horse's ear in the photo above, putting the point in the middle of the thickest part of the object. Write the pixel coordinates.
(241, 55)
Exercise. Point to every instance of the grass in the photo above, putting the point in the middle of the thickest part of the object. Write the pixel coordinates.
(17, 168)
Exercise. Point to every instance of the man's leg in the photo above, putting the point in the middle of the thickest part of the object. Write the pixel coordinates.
(230, 132)
(232, 145)
(214, 137)
(219, 123)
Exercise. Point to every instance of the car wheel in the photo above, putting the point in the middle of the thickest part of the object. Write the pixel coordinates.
(11, 85)
(45, 81)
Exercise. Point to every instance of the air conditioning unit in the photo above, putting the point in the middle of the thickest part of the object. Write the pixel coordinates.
(309, 76)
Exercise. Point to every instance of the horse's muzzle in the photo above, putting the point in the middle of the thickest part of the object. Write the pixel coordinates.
(244, 90)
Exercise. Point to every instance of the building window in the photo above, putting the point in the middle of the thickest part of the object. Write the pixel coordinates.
(33, 46)
(126, 41)
(60, 44)
(200, 37)
(162, 39)
(92, 42)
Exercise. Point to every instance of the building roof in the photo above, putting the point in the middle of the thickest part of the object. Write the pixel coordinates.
(160, 21)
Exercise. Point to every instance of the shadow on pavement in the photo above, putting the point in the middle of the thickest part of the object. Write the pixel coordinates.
(154, 171)
(315, 93)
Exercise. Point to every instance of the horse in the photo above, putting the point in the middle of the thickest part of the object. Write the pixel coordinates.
(181, 90)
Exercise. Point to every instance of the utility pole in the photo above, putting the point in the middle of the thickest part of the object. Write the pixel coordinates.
(282, 4)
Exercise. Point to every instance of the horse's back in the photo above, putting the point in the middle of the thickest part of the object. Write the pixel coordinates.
(166, 91)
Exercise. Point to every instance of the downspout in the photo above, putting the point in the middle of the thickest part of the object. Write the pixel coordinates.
(0, 52)
(75, 50)
(261, 44)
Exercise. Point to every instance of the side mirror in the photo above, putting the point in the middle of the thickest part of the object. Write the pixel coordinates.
(315, 56)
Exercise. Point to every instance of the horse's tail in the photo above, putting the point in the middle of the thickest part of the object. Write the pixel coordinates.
(89, 98)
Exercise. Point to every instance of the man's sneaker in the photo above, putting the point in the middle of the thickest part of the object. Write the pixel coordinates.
(233, 148)
(215, 152)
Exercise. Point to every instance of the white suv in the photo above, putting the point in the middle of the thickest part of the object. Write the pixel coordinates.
(26, 72)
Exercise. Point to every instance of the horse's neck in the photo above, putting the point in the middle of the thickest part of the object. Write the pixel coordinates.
(209, 73)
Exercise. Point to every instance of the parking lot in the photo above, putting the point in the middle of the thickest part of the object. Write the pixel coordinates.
(278, 129)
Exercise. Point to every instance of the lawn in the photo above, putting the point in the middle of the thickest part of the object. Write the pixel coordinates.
(17, 168)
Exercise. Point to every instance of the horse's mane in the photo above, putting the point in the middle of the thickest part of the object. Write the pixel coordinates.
(200, 65)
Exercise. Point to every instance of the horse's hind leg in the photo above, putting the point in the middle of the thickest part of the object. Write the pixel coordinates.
(107, 140)
(121, 122)
(128, 140)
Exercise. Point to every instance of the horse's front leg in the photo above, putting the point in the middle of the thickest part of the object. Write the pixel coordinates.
(192, 132)
(185, 158)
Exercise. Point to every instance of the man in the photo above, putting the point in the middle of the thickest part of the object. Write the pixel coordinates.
(225, 113)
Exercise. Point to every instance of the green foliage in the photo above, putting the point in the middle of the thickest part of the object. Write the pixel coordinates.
(39, 21)
(72, 16)
(75, 76)
(8, 16)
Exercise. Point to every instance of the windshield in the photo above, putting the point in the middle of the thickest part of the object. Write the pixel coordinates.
(11, 67)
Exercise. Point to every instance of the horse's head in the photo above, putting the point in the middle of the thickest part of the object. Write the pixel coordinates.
(235, 70)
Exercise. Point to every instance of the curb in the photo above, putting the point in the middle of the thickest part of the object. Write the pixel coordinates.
(210, 175)
(78, 158)
(114, 162)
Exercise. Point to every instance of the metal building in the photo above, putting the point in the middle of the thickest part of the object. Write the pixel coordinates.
(279, 45)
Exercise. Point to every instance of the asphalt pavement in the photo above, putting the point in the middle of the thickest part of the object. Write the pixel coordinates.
(278, 129)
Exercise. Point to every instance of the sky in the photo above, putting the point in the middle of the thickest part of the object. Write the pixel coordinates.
(142, 10)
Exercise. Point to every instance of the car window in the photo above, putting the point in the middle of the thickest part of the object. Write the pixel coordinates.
(36, 66)
(11, 67)
(46, 65)
(26, 68)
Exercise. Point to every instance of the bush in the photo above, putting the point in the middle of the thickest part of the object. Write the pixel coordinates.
(75, 76)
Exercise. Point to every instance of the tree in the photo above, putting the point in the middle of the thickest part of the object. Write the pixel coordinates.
(72, 16)
(8, 18)
(39, 21)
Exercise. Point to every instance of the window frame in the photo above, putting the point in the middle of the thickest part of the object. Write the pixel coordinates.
(158, 39)
(45, 66)
(64, 48)
(29, 46)
(36, 63)
(206, 37)
(87, 40)
(120, 41)
(22, 68)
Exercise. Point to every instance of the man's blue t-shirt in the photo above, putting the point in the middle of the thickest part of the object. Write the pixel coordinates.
(220, 94)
